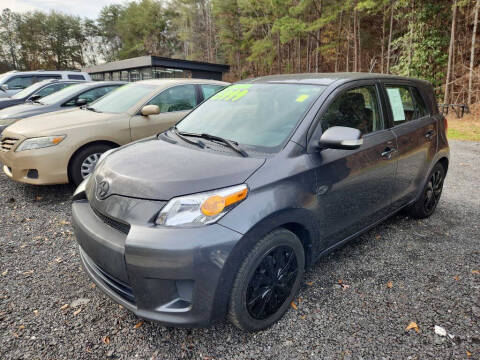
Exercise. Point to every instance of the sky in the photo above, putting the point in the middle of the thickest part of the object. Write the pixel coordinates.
(82, 8)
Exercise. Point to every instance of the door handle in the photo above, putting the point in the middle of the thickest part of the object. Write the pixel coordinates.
(388, 152)
(429, 134)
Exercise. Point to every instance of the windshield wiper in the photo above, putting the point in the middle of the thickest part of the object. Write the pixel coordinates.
(181, 136)
(230, 143)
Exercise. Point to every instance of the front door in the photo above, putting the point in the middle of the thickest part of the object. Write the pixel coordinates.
(354, 186)
(174, 104)
(416, 132)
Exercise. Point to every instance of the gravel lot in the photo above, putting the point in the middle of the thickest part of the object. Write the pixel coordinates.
(355, 304)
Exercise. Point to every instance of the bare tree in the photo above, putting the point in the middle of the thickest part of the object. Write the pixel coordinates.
(472, 51)
(450, 53)
(390, 39)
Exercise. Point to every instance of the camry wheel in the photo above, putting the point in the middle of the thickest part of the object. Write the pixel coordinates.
(267, 281)
(428, 201)
(84, 162)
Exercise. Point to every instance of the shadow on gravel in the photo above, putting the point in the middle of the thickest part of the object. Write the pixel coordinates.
(46, 193)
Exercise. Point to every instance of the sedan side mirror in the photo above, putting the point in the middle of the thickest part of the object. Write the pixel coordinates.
(4, 87)
(34, 97)
(340, 137)
(81, 102)
(150, 110)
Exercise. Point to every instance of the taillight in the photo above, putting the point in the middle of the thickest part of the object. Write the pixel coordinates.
(446, 123)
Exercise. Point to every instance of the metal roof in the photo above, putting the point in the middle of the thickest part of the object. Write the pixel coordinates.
(326, 78)
(150, 60)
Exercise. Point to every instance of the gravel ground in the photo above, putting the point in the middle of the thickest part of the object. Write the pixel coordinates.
(355, 304)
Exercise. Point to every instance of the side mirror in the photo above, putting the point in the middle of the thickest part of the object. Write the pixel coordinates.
(81, 102)
(150, 110)
(340, 137)
(34, 97)
(4, 87)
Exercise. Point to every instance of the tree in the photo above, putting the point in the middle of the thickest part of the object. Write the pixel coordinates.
(472, 52)
(450, 53)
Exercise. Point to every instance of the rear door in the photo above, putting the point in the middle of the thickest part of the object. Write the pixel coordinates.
(416, 131)
(354, 186)
(174, 104)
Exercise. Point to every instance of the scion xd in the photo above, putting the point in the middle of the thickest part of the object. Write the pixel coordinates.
(222, 213)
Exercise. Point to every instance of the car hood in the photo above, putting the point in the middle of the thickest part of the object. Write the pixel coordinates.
(158, 170)
(24, 110)
(57, 123)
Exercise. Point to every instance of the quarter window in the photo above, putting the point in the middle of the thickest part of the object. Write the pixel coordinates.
(356, 108)
(178, 98)
(406, 104)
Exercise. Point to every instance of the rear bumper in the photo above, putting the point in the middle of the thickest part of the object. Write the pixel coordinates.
(166, 275)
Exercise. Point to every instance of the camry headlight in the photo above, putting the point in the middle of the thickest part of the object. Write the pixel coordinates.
(201, 209)
(40, 142)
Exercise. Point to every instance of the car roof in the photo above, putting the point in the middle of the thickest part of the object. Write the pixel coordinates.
(15, 72)
(326, 78)
(169, 82)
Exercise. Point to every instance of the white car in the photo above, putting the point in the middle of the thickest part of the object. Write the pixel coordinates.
(13, 81)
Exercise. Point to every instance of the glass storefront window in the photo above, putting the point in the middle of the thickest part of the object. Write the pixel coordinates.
(124, 76)
(116, 76)
(134, 75)
(108, 76)
(146, 74)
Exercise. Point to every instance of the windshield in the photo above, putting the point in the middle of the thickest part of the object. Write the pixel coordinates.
(64, 94)
(29, 90)
(258, 115)
(121, 99)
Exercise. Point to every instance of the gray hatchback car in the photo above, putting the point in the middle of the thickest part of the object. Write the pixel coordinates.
(222, 214)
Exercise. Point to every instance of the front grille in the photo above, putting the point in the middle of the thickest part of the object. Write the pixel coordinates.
(7, 144)
(120, 226)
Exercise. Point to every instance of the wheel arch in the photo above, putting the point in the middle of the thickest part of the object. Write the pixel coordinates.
(444, 161)
(294, 220)
(91, 143)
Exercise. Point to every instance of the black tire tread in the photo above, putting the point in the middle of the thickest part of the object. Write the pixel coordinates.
(417, 210)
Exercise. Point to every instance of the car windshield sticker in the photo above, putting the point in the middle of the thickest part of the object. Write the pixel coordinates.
(233, 93)
(396, 104)
(302, 98)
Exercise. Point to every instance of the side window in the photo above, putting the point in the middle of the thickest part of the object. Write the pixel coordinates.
(406, 103)
(357, 108)
(177, 98)
(48, 76)
(76, 77)
(50, 89)
(420, 107)
(20, 82)
(209, 90)
(91, 95)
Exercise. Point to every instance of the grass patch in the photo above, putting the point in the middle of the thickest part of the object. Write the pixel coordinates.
(466, 128)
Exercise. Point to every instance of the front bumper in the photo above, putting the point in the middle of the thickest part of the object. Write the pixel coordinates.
(38, 167)
(170, 275)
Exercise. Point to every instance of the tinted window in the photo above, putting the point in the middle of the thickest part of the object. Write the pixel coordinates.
(356, 108)
(91, 95)
(50, 89)
(76, 77)
(28, 91)
(20, 82)
(48, 76)
(177, 98)
(64, 94)
(420, 107)
(257, 115)
(209, 90)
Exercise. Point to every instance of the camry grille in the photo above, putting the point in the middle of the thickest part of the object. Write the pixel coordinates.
(7, 144)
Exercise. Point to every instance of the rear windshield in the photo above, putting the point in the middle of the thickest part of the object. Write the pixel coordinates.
(64, 94)
(257, 115)
(123, 98)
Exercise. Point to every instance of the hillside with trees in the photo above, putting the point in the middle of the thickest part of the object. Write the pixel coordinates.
(431, 39)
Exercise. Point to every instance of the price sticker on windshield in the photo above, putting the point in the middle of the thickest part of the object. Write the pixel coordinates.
(233, 93)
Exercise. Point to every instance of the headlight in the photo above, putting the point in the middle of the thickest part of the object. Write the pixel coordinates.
(201, 209)
(40, 142)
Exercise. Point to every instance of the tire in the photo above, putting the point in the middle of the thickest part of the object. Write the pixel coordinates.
(281, 249)
(93, 152)
(427, 203)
